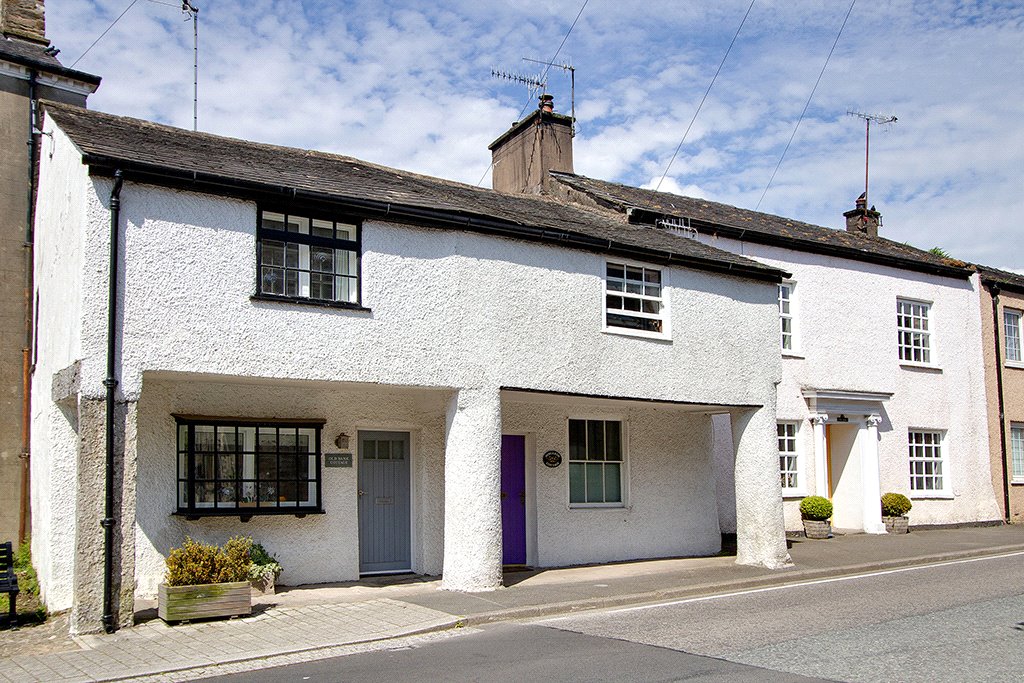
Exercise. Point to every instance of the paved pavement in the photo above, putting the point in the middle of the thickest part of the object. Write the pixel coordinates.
(307, 623)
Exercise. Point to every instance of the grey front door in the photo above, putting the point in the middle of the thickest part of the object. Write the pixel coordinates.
(384, 502)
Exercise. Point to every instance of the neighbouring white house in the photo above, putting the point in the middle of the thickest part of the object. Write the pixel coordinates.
(883, 384)
(371, 371)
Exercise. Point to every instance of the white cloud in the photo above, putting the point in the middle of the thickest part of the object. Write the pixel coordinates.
(406, 84)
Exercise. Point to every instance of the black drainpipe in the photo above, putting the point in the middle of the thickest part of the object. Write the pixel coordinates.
(111, 384)
(994, 290)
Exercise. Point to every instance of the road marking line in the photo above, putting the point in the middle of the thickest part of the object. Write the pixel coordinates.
(769, 589)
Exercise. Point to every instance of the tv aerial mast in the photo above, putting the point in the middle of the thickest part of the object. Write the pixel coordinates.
(540, 83)
(868, 120)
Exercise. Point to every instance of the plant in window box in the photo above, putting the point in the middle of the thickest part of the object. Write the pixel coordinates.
(206, 581)
(816, 512)
(264, 570)
(895, 507)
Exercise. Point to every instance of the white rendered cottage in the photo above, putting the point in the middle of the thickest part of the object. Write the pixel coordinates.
(882, 358)
(370, 371)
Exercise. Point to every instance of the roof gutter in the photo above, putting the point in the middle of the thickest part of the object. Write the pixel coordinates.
(370, 208)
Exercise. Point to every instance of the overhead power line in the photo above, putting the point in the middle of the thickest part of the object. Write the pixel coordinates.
(132, 4)
(706, 92)
(806, 105)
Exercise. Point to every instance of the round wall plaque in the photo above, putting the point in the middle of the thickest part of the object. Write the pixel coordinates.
(552, 458)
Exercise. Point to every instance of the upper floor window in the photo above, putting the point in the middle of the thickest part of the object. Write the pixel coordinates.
(248, 468)
(1012, 332)
(300, 257)
(927, 462)
(788, 457)
(633, 298)
(786, 314)
(595, 462)
(914, 331)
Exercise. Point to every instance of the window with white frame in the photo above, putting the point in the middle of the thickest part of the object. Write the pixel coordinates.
(914, 332)
(1017, 449)
(247, 467)
(788, 456)
(305, 258)
(633, 298)
(927, 462)
(786, 314)
(595, 462)
(1012, 332)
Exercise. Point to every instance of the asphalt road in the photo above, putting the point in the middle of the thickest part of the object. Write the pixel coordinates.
(959, 621)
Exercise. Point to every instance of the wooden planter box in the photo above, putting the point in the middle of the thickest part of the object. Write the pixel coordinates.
(896, 525)
(185, 603)
(817, 529)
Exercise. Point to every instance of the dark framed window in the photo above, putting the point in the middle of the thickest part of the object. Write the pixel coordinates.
(301, 257)
(231, 467)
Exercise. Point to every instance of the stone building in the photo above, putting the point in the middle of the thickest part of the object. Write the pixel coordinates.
(29, 71)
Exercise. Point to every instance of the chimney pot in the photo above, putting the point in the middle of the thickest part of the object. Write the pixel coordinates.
(863, 220)
(547, 103)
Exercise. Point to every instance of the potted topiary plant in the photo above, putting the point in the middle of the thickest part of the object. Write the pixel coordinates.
(895, 507)
(815, 512)
(264, 570)
(205, 581)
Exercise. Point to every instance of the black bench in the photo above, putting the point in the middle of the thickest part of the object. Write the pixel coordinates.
(9, 581)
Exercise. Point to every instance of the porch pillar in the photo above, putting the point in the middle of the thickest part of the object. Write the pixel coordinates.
(472, 491)
(760, 527)
(820, 455)
(869, 476)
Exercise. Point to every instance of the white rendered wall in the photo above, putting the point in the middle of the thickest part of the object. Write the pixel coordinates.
(846, 339)
(58, 276)
(314, 549)
(668, 482)
(448, 310)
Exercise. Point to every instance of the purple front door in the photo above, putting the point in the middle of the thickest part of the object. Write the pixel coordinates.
(513, 499)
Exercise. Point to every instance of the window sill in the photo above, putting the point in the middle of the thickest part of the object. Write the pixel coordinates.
(1016, 365)
(308, 302)
(598, 506)
(1017, 482)
(626, 332)
(932, 496)
(247, 513)
(792, 354)
(786, 493)
(925, 367)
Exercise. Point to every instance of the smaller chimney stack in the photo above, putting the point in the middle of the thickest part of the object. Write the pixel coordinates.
(24, 19)
(862, 219)
(523, 155)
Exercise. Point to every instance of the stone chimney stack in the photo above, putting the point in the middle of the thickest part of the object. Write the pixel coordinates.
(23, 19)
(862, 219)
(522, 157)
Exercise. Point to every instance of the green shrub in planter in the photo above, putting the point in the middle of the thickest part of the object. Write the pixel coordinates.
(895, 505)
(815, 508)
(200, 564)
(264, 570)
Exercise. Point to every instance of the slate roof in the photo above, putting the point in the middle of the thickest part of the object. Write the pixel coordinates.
(150, 152)
(35, 56)
(730, 221)
(1003, 278)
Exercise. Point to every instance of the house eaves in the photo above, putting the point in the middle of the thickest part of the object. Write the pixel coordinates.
(713, 218)
(162, 155)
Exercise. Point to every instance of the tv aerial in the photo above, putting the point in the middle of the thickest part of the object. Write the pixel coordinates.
(883, 119)
(540, 83)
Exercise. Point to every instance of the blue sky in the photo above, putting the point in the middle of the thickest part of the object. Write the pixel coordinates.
(408, 84)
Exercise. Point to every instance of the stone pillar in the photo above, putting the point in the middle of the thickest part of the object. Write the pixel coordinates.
(87, 609)
(472, 492)
(820, 455)
(869, 476)
(760, 527)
